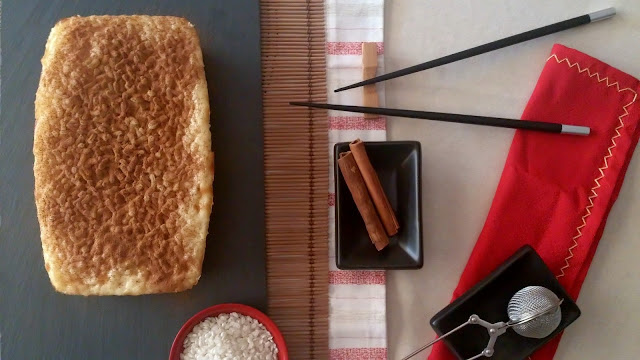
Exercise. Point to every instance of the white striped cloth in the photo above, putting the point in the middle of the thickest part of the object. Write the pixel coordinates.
(357, 299)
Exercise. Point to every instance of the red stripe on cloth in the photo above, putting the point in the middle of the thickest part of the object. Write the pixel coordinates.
(359, 277)
(358, 354)
(349, 48)
(356, 123)
(332, 199)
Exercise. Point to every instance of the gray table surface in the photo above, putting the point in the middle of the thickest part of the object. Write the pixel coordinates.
(38, 323)
(462, 164)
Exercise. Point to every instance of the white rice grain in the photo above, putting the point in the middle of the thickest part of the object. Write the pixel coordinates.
(229, 337)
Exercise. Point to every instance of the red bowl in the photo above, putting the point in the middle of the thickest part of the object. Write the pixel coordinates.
(178, 342)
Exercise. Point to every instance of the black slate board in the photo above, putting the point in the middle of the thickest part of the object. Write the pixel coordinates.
(38, 323)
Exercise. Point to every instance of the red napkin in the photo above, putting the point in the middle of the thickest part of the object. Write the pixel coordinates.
(557, 190)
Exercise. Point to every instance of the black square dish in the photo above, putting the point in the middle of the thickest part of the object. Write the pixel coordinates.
(397, 164)
(489, 298)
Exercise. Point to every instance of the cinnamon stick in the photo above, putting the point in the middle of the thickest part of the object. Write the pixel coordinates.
(380, 200)
(358, 189)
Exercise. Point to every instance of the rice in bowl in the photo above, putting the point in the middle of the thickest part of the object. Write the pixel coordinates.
(229, 337)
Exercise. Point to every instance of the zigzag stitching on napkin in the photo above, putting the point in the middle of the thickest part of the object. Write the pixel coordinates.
(594, 193)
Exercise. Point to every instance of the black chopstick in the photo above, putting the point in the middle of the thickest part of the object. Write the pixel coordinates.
(495, 45)
(457, 118)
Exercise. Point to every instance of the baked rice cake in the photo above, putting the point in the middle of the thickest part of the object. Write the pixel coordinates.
(123, 164)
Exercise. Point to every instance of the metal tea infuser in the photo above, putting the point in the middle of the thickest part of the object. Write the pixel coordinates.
(533, 311)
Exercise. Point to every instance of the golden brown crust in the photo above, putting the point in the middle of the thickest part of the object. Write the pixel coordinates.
(123, 161)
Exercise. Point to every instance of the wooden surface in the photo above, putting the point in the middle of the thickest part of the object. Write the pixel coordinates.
(296, 173)
(36, 322)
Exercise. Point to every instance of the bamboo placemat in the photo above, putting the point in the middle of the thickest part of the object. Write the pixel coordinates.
(296, 173)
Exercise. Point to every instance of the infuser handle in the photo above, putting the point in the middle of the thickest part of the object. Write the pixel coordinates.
(473, 319)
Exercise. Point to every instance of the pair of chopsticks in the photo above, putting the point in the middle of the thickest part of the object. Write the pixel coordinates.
(472, 119)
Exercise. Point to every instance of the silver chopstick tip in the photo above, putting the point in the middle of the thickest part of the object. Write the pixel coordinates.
(575, 130)
(602, 14)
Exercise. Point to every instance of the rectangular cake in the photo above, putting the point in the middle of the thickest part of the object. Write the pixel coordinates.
(123, 163)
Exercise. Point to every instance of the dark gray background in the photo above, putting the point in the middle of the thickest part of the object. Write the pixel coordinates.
(38, 323)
